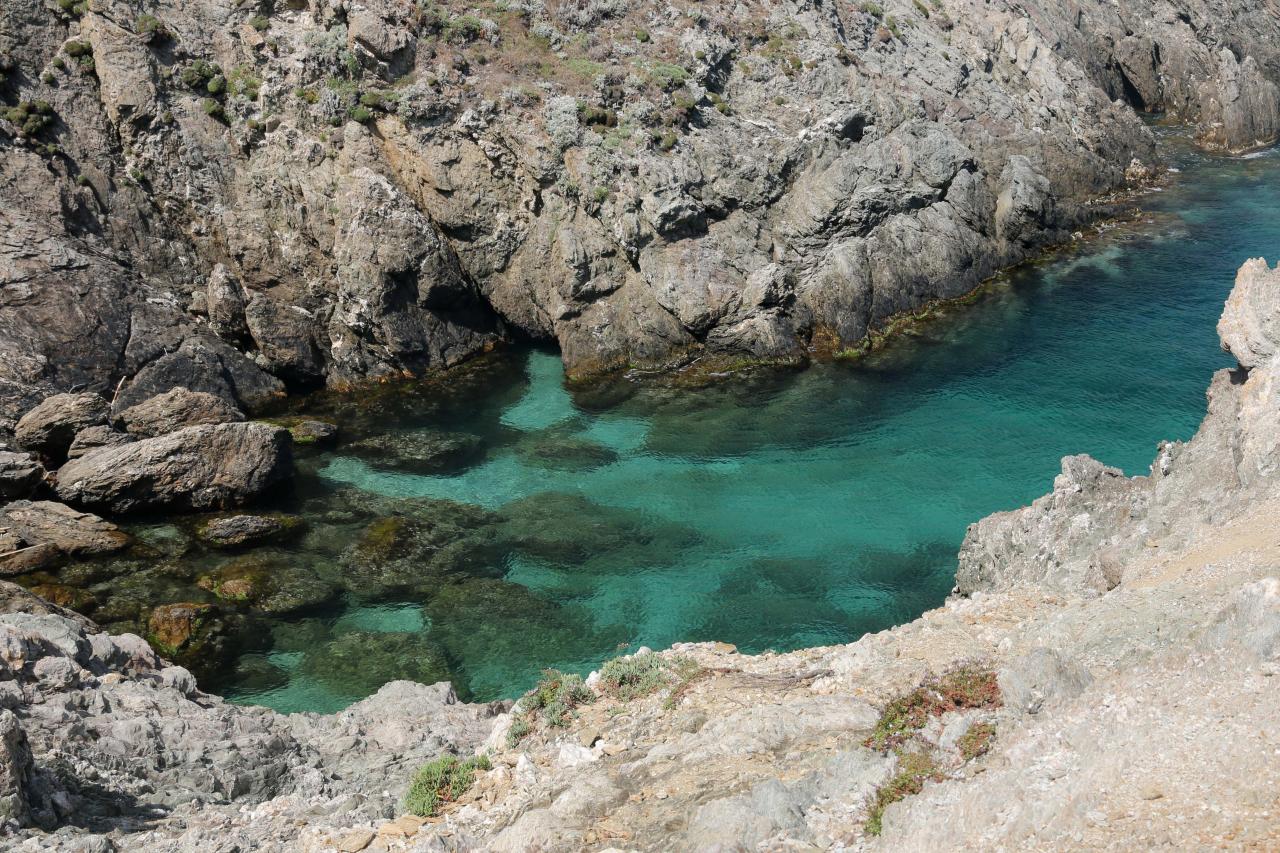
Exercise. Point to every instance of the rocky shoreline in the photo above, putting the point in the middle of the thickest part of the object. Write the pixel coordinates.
(1089, 632)
(246, 202)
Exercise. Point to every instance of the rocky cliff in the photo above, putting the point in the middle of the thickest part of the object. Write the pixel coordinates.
(245, 198)
(1103, 679)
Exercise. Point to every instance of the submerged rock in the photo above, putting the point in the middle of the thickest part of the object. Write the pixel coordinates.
(50, 427)
(200, 467)
(175, 409)
(193, 634)
(564, 452)
(570, 529)
(268, 583)
(415, 549)
(238, 531)
(359, 662)
(308, 432)
(419, 451)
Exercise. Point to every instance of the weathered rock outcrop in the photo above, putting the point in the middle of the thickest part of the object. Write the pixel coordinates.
(1081, 536)
(198, 467)
(20, 474)
(134, 738)
(233, 201)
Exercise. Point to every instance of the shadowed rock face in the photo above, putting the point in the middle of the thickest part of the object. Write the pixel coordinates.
(335, 193)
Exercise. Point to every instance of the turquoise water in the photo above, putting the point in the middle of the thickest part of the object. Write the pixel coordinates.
(774, 509)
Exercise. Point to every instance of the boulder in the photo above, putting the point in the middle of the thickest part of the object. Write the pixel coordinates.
(91, 438)
(51, 426)
(36, 534)
(20, 474)
(175, 409)
(201, 467)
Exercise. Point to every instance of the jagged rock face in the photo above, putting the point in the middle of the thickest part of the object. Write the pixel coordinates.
(739, 181)
(1078, 537)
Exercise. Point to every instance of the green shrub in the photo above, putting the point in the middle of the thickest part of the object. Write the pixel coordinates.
(555, 696)
(668, 76)
(463, 29)
(31, 117)
(241, 81)
(441, 782)
(198, 74)
(632, 677)
(260, 23)
(976, 741)
(373, 100)
(913, 770)
(48, 79)
(78, 49)
(642, 36)
(216, 86)
(150, 27)
(362, 115)
(967, 687)
(520, 728)
(214, 110)
(875, 10)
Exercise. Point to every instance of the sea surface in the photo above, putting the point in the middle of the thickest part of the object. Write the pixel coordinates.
(772, 509)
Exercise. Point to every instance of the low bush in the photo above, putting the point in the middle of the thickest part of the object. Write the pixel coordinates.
(967, 687)
(31, 117)
(441, 782)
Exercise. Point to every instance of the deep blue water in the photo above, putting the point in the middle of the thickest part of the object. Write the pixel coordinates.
(780, 509)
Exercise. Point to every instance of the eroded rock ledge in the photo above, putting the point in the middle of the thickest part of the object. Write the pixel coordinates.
(240, 200)
(1039, 708)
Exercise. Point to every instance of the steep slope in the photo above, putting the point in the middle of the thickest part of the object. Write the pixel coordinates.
(246, 198)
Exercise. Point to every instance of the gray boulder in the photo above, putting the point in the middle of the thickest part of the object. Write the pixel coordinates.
(20, 473)
(200, 467)
(50, 427)
(40, 532)
(91, 438)
(175, 409)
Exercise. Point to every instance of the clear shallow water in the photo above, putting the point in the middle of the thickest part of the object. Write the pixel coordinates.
(777, 509)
